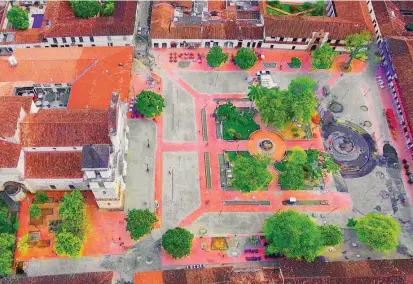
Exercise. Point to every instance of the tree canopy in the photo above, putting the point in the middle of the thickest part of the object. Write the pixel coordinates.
(149, 104)
(251, 173)
(295, 62)
(356, 45)
(227, 112)
(323, 57)
(331, 235)
(279, 107)
(85, 9)
(35, 211)
(71, 232)
(378, 231)
(293, 234)
(292, 178)
(216, 56)
(40, 198)
(245, 58)
(140, 223)
(6, 253)
(19, 18)
(255, 92)
(108, 8)
(177, 242)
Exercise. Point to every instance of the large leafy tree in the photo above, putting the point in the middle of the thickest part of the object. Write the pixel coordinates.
(149, 104)
(71, 233)
(273, 108)
(251, 173)
(292, 178)
(19, 18)
(177, 242)
(6, 253)
(85, 9)
(378, 231)
(293, 234)
(255, 92)
(227, 112)
(245, 58)
(331, 235)
(140, 223)
(356, 45)
(216, 56)
(302, 101)
(297, 156)
(323, 57)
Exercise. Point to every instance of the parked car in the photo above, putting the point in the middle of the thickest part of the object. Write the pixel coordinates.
(263, 72)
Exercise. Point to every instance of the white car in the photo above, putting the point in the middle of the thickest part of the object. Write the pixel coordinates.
(263, 72)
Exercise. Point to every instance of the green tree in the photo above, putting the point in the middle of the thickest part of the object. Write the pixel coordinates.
(295, 62)
(85, 9)
(331, 235)
(245, 58)
(35, 211)
(292, 178)
(6, 253)
(216, 56)
(177, 242)
(251, 173)
(19, 18)
(297, 156)
(293, 234)
(107, 9)
(149, 104)
(378, 231)
(140, 223)
(40, 198)
(356, 45)
(351, 223)
(71, 233)
(323, 57)
(273, 108)
(409, 27)
(301, 99)
(329, 165)
(227, 112)
(23, 244)
(68, 244)
(255, 92)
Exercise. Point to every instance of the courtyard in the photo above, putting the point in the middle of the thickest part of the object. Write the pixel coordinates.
(191, 149)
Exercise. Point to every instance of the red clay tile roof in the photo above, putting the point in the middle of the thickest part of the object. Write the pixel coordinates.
(10, 107)
(65, 128)
(389, 25)
(9, 154)
(53, 165)
(81, 278)
(64, 22)
(84, 67)
(401, 50)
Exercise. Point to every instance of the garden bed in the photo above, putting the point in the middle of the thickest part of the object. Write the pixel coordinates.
(232, 155)
(288, 132)
(219, 243)
(283, 9)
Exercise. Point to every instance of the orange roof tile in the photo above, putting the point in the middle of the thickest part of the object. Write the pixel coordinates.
(84, 67)
(150, 277)
(9, 154)
(65, 128)
(50, 165)
(10, 107)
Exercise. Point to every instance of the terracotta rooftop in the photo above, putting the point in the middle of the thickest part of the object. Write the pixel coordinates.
(352, 17)
(294, 271)
(10, 108)
(163, 26)
(53, 165)
(65, 128)
(9, 154)
(401, 50)
(391, 21)
(84, 67)
(81, 278)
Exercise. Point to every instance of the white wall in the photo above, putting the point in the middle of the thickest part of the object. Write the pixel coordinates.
(53, 149)
(378, 36)
(202, 42)
(60, 184)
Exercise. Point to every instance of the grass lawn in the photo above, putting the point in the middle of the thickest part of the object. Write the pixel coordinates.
(295, 8)
(243, 126)
(232, 155)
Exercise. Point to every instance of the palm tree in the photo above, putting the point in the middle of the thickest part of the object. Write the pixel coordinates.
(254, 93)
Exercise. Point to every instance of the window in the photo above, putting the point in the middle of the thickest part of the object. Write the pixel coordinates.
(55, 40)
(156, 45)
(293, 47)
(295, 39)
(249, 44)
(71, 186)
(80, 45)
(101, 184)
(110, 44)
(81, 39)
(271, 46)
(329, 41)
(93, 44)
(64, 39)
(53, 45)
(303, 40)
(281, 38)
(52, 186)
(73, 39)
(91, 39)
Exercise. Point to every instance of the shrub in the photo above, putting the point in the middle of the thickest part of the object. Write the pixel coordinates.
(85, 9)
(331, 235)
(351, 223)
(108, 8)
(295, 62)
(19, 18)
(35, 211)
(23, 244)
(409, 27)
(40, 198)
(140, 223)
(216, 57)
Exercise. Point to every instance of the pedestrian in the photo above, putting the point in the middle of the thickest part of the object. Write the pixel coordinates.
(169, 172)
(344, 252)
(342, 74)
